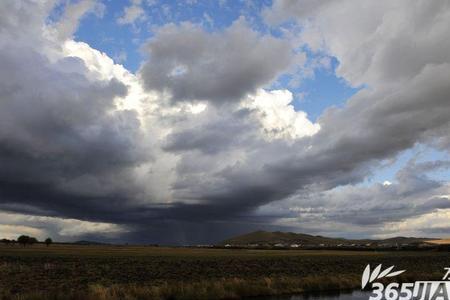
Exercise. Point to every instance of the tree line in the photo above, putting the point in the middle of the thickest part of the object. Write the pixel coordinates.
(26, 240)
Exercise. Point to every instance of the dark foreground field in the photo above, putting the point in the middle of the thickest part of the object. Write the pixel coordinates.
(115, 272)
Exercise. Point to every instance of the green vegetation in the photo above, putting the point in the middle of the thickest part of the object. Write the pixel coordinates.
(48, 241)
(25, 240)
(138, 272)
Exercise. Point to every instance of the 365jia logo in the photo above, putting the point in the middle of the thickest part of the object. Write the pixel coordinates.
(418, 290)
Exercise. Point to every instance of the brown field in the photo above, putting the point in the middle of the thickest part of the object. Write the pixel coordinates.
(138, 272)
(440, 242)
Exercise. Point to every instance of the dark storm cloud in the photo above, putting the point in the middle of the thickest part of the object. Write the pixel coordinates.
(192, 64)
(227, 131)
(58, 124)
(61, 138)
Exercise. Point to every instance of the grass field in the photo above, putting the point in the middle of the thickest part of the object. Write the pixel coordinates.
(132, 272)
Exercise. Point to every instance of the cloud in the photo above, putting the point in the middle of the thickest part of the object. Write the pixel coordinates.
(209, 137)
(429, 224)
(73, 12)
(13, 225)
(385, 43)
(285, 10)
(120, 57)
(377, 209)
(132, 14)
(63, 135)
(377, 123)
(278, 116)
(192, 64)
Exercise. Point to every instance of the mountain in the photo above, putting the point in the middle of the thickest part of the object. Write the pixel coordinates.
(92, 243)
(289, 238)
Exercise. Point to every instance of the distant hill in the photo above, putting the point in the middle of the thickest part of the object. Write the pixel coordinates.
(289, 238)
(89, 243)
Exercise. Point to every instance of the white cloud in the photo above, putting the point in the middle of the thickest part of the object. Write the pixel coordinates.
(13, 224)
(278, 116)
(384, 43)
(73, 12)
(132, 14)
(9, 231)
(433, 224)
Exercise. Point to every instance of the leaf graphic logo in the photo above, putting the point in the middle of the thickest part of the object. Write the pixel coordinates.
(371, 276)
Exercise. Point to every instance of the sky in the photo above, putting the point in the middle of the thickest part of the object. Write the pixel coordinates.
(187, 122)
